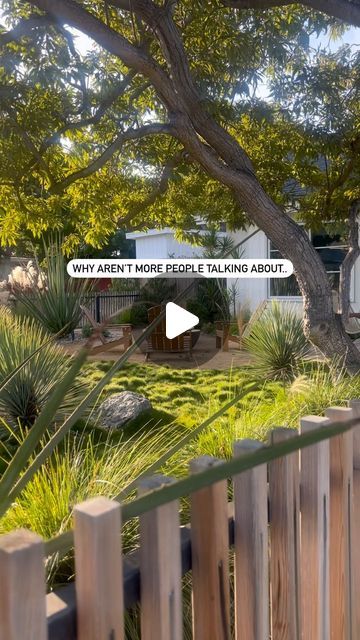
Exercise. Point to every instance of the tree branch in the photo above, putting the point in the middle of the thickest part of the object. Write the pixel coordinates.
(160, 188)
(92, 120)
(345, 10)
(23, 28)
(71, 13)
(189, 99)
(96, 165)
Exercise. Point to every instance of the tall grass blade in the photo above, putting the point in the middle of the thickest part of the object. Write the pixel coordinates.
(26, 449)
(75, 415)
(185, 440)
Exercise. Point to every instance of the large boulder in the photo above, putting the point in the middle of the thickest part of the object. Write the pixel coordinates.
(119, 408)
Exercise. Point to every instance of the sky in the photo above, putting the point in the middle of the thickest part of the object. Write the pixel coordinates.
(351, 36)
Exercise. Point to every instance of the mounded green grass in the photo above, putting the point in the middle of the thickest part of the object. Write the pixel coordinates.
(183, 396)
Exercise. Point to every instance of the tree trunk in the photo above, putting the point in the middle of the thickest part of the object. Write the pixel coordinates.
(349, 262)
(323, 327)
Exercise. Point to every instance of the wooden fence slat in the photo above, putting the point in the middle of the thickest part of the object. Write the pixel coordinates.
(22, 587)
(355, 406)
(284, 496)
(315, 534)
(210, 557)
(251, 548)
(99, 575)
(160, 568)
(341, 502)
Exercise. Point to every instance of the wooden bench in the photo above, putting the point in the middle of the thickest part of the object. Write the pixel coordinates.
(125, 340)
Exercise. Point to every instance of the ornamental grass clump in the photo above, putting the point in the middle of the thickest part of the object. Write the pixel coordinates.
(277, 343)
(23, 397)
(51, 297)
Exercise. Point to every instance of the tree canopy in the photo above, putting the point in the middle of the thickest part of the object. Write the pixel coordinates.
(88, 139)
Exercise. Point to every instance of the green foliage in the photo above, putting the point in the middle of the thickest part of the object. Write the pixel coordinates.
(125, 285)
(80, 469)
(63, 106)
(211, 303)
(158, 291)
(277, 343)
(28, 391)
(155, 292)
(183, 396)
(55, 306)
(137, 315)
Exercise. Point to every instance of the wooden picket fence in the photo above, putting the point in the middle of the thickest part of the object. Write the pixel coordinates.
(293, 528)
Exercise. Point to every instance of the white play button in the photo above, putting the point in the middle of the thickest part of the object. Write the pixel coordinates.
(178, 320)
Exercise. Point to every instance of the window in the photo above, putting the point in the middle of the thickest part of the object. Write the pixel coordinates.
(332, 252)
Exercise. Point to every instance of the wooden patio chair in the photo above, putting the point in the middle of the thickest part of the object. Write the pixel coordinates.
(223, 329)
(126, 339)
(158, 342)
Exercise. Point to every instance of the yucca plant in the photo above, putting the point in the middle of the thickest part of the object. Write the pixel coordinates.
(55, 304)
(22, 399)
(277, 343)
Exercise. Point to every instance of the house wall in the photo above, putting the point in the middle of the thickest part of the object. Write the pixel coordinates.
(162, 244)
(150, 246)
(250, 291)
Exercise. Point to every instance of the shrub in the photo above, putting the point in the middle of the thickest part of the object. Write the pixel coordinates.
(136, 315)
(211, 302)
(158, 291)
(277, 343)
(56, 303)
(26, 393)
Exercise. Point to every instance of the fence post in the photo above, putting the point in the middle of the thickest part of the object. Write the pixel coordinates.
(355, 406)
(160, 567)
(22, 587)
(284, 496)
(251, 548)
(210, 557)
(315, 534)
(341, 502)
(98, 564)
(97, 308)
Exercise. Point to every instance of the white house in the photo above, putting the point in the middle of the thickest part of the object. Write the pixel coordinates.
(251, 292)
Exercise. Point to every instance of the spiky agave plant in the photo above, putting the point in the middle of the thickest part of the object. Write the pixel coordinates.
(277, 343)
(26, 393)
(56, 303)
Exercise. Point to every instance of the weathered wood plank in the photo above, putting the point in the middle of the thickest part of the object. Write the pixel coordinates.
(284, 538)
(160, 568)
(341, 501)
(98, 563)
(315, 534)
(251, 549)
(22, 587)
(210, 560)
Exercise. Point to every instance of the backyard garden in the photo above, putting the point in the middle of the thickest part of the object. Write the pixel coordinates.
(57, 450)
(226, 129)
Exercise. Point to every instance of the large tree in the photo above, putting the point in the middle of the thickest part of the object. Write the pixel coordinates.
(83, 135)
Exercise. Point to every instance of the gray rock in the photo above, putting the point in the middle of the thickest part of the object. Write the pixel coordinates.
(119, 408)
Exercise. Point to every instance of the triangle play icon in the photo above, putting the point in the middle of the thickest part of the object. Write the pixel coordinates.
(178, 320)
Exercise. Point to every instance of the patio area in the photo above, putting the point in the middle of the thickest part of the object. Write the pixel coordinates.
(205, 355)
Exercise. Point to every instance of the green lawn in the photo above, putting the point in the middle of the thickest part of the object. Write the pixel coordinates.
(184, 398)
(181, 395)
